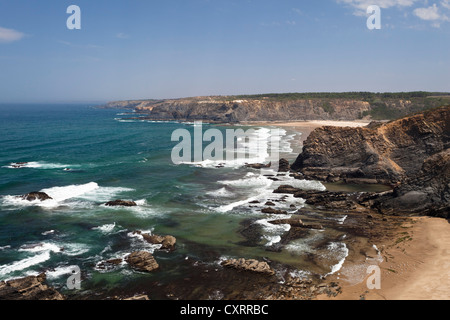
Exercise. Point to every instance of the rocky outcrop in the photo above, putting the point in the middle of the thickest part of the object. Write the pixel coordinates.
(249, 265)
(427, 192)
(167, 242)
(121, 203)
(142, 261)
(33, 196)
(29, 288)
(284, 107)
(388, 153)
(226, 109)
(296, 223)
(412, 153)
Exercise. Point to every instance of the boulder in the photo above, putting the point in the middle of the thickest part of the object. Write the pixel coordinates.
(273, 211)
(121, 203)
(249, 265)
(287, 189)
(142, 261)
(166, 242)
(259, 165)
(28, 288)
(32, 196)
(284, 166)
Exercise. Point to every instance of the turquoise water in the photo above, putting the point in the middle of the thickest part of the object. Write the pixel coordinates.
(83, 157)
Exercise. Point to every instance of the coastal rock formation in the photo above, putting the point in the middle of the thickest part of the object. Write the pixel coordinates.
(284, 107)
(29, 288)
(427, 192)
(296, 223)
(166, 242)
(33, 196)
(388, 153)
(249, 265)
(142, 261)
(273, 211)
(284, 165)
(121, 203)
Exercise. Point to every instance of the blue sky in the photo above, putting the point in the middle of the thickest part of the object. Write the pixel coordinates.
(138, 49)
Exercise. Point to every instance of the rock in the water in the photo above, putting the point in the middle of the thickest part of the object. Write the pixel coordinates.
(121, 203)
(29, 288)
(166, 242)
(287, 189)
(258, 165)
(32, 196)
(273, 211)
(249, 265)
(142, 261)
(284, 166)
(296, 223)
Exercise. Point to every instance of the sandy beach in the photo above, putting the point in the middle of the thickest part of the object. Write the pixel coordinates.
(415, 265)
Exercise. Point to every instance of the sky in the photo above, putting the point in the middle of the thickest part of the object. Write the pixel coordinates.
(148, 49)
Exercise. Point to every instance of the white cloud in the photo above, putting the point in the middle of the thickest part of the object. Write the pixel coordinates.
(446, 4)
(10, 35)
(431, 14)
(362, 5)
(122, 35)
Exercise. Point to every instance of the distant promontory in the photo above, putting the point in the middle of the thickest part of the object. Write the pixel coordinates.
(345, 106)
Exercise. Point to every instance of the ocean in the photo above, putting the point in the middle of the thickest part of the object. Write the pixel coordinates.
(84, 156)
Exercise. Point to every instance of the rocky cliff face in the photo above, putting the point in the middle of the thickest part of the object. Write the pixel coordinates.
(285, 107)
(412, 153)
(385, 153)
(219, 110)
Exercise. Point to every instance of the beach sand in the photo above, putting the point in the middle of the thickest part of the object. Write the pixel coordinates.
(415, 266)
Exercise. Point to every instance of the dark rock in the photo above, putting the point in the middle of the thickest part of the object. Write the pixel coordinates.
(427, 192)
(29, 288)
(269, 203)
(273, 211)
(284, 166)
(297, 223)
(259, 165)
(166, 242)
(287, 189)
(249, 265)
(387, 153)
(32, 196)
(121, 203)
(142, 261)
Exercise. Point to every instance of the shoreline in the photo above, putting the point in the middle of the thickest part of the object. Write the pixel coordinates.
(415, 265)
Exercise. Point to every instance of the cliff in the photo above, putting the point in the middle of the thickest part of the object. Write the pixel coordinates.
(412, 153)
(284, 107)
(385, 153)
